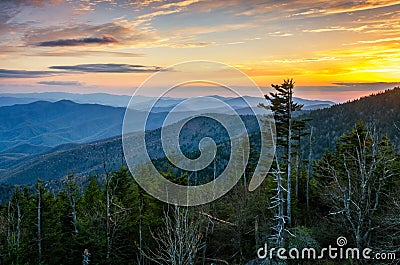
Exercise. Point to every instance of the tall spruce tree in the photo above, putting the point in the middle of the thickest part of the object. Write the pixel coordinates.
(282, 106)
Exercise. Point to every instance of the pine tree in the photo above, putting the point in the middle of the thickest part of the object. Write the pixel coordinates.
(282, 106)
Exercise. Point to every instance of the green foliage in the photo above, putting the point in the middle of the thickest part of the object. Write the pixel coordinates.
(281, 102)
(302, 238)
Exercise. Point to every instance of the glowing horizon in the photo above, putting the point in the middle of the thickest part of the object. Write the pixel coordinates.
(336, 51)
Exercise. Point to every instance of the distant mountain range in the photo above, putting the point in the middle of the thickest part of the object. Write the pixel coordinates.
(380, 111)
(8, 99)
(49, 138)
(37, 127)
(87, 159)
(29, 126)
(28, 129)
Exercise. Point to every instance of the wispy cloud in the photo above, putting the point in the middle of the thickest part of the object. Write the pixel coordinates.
(80, 68)
(8, 10)
(376, 41)
(108, 68)
(335, 28)
(303, 60)
(60, 83)
(353, 6)
(78, 42)
(183, 3)
(367, 85)
(85, 53)
(168, 9)
(311, 11)
(7, 73)
(234, 43)
(37, 3)
(200, 30)
(189, 44)
(325, 8)
(83, 34)
(10, 50)
(279, 34)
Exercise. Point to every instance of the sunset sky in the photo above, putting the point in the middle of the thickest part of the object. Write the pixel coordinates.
(335, 50)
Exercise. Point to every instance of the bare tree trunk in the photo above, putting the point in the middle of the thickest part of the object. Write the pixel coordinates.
(298, 163)
(9, 223)
(280, 216)
(18, 223)
(74, 219)
(72, 204)
(256, 233)
(296, 184)
(278, 203)
(108, 225)
(355, 195)
(244, 173)
(309, 171)
(179, 241)
(113, 211)
(140, 261)
(205, 242)
(39, 226)
(289, 158)
(108, 212)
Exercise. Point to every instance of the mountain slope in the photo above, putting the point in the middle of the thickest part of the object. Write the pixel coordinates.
(86, 159)
(34, 128)
(39, 126)
(380, 112)
(9, 101)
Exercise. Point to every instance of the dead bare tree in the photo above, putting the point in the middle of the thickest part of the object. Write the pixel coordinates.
(289, 156)
(309, 170)
(140, 258)
(114, 212)
(19, 219)
(180, 239)
(277, 202)
(14, 222)
(358, 181)
(40, 189)
(71, 197)
(397, 127)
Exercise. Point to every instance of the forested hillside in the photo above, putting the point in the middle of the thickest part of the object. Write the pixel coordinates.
(141, 230)
(88, 159)
(380, 112)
